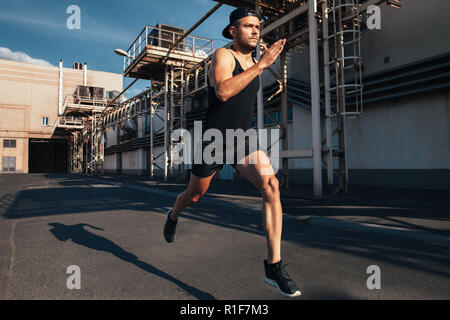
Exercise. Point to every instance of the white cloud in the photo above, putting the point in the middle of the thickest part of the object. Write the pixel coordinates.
(91, 28)
(6, 53)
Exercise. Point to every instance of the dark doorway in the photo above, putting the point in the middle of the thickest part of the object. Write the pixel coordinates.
(47, 156)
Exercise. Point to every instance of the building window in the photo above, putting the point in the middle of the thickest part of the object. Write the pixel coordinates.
(9, 143)
(44, 121)
(9, 164)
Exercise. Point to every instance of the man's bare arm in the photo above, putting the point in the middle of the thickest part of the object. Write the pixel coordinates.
(227, 86)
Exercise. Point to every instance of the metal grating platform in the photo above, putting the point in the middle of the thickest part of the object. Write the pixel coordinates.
(149, 53)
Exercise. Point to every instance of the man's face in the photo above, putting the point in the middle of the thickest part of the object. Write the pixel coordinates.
(247, 32)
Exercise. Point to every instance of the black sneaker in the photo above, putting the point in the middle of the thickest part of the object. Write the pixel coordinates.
(170, 228)
(278, 277)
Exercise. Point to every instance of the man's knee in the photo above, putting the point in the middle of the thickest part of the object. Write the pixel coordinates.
(195, 197)
(270, 188)
(192, 196)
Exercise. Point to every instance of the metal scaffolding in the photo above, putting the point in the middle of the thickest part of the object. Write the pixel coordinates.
(162, 55)
(177, 65)
(299, 22)
(80, 120)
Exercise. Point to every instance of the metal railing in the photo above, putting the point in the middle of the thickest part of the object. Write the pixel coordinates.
(70, 121)
(194, 46)
(83, 102)
(101, 102)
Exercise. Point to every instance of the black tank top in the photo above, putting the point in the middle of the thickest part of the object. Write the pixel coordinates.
(236, 112)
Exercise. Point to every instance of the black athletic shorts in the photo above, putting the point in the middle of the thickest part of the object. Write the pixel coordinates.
(204, 170)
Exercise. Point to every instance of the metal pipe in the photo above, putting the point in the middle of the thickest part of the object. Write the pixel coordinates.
(326, 59)
(171, 114)
(259, 97)
(85, 74)
(210, 12)
(206, 73)
(278, 23)
(196, 79)
(182, 117)
(284, 133)
(151, 137)
(165, 121)
(60, 88)
(344, 117)
(112, 101)
(315, 99)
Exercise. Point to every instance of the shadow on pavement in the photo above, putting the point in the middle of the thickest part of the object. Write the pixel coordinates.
(420, 210)
(81, 236)
(48, 201)
(80, 195)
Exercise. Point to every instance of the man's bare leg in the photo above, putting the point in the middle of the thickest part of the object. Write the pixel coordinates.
(261, 176)
(273, 220)
(196, 189)
(260, 173)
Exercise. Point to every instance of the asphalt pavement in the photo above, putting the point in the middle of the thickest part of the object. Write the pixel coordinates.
(110, 228)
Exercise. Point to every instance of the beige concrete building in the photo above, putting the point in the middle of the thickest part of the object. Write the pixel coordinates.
(30, 102)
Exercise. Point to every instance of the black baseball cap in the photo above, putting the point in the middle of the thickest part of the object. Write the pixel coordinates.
(237, 14)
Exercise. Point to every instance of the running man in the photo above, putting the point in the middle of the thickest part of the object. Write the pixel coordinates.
(233, 83)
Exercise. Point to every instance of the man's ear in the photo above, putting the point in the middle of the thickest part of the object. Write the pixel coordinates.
(232, 30)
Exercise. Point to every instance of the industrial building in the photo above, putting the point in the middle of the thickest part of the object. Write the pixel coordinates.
(354, 104)
(32, 100)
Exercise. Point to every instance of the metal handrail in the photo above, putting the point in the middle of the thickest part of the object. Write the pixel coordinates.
(70, 99)
(142, 42)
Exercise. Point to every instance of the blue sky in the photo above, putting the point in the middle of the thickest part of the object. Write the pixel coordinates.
(38, 28)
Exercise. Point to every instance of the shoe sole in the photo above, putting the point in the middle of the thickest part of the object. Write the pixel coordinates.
(275, 284)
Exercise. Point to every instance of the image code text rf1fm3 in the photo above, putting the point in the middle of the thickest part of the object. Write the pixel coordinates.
(228, 309)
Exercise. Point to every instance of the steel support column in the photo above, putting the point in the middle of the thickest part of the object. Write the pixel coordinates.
(284, 131)
(166, 86)
(315, 99)
(326, 58)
